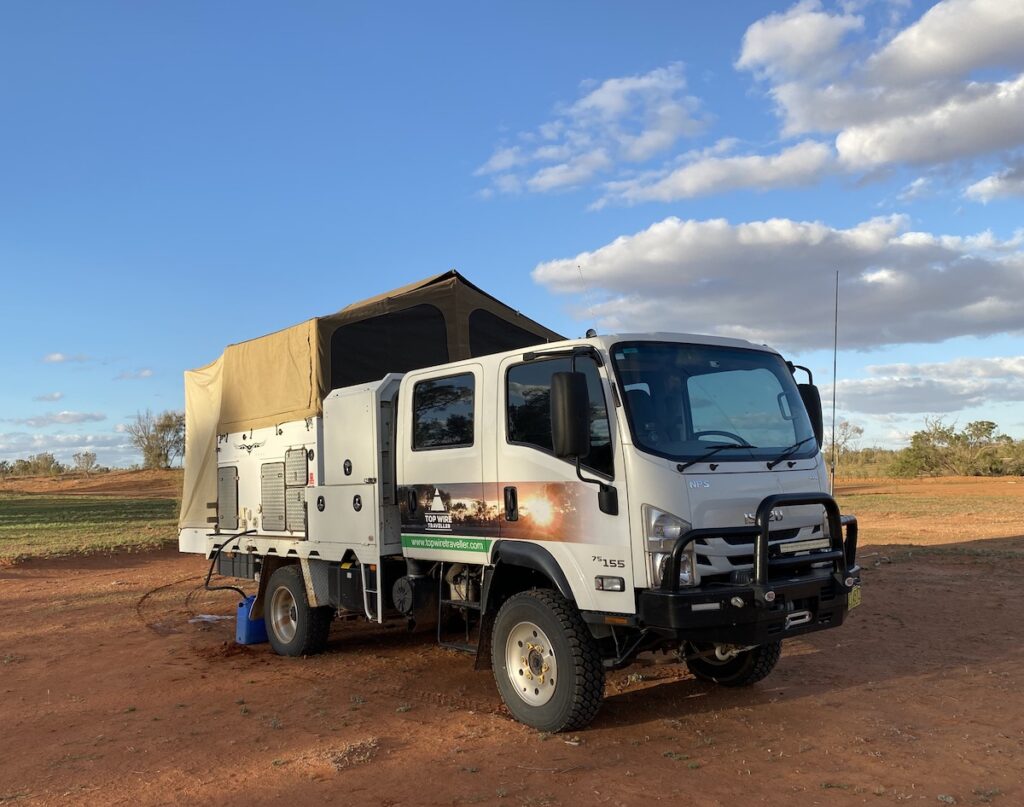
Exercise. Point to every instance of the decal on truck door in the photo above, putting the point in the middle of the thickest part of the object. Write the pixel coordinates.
(547, 511)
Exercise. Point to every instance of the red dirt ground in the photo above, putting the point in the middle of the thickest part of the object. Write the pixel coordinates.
(111, 695)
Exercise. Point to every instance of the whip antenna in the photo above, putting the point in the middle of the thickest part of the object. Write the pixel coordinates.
(835, 381)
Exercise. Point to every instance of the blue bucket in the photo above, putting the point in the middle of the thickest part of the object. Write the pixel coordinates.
(247, 629)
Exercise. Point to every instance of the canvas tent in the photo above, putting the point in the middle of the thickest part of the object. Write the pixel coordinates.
(285, 375)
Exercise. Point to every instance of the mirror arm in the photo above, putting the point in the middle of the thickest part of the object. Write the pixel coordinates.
(607, 496)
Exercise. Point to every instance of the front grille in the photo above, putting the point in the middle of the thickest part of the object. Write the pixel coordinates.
(725, 554)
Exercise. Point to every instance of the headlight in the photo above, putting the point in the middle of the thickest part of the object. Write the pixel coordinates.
(661, 532)
(659, 564)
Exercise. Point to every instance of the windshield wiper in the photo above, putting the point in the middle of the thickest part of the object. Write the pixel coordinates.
(789, 451)
(710, 453)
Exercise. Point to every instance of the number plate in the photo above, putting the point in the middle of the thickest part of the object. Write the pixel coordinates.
(853, 600)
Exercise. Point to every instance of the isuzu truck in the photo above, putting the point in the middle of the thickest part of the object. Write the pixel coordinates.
(558, 506)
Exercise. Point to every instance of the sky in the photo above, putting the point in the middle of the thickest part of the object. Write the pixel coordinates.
(178, 176)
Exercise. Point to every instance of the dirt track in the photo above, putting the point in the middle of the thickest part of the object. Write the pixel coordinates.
(112, 695)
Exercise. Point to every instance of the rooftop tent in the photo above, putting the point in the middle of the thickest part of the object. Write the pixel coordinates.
(285, 375)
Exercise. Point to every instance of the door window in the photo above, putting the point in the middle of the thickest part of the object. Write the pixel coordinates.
(442, 412)
(528, 396)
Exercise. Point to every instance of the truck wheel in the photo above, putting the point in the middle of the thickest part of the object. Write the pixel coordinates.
(293, 628)
(742, 670)
(545, 662)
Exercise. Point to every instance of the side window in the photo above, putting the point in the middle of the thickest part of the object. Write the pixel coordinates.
(442, 412)
(528, 396)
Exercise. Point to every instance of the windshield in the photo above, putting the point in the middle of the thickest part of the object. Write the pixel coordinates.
(683, 400)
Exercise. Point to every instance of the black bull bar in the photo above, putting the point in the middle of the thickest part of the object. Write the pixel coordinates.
(842, 553)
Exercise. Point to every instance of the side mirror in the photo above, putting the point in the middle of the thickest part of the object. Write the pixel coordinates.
(812, 403)
(570, 415)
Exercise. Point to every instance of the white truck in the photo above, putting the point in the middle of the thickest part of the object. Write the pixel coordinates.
(566, 505)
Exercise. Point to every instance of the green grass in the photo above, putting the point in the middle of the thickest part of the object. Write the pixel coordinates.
(49, 526)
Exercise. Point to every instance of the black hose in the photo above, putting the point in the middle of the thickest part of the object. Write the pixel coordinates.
(213, 561)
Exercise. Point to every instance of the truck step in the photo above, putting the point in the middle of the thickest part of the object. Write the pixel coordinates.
(462, 647)
(473, 606)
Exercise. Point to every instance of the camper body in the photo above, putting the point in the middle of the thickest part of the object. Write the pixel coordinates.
(558, 509)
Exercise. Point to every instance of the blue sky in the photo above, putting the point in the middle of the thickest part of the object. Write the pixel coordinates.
(178, 176)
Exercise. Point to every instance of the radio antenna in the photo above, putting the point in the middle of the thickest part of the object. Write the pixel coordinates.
(835, 381)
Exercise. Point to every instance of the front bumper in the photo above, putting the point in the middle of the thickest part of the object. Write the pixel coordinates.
(787, 596)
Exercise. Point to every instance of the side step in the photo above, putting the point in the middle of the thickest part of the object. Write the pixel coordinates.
(468, 610)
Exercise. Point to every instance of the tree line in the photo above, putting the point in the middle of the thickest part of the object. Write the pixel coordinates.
(160, 439)
(939, 449)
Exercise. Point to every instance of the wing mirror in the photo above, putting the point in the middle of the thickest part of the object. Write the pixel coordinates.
(812, 403)
(570, 415)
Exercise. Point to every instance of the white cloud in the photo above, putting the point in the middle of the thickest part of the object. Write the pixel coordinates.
(801, 164)
(569, 174)
(772, 281)
(622, 120)
(1003, 185)
(61, 358)
(790, 42)
(111, 449)
(953, 39)
(934, 388)
(915, 190)
(918, 98)
(982, 118)
(131, 375)
(49, 396)
(54, 418)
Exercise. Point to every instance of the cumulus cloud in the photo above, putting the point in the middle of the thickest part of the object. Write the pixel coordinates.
(55, 418)
(795, 40)
(111, 449)
(622, 120)
(953, 39)
(981, 118)
(1006, 184)
(772, 281)
(62, 358)
(49, 396)
(946, 87)
(801, 164)
(934, 388)
(130, 375)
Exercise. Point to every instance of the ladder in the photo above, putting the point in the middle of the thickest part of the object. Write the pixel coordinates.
(468, 610)
(374, 613)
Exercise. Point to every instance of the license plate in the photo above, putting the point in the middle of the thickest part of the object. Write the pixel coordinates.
(853, 600)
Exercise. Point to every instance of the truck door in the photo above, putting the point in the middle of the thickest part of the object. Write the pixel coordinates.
(541, 497)
(446, 514)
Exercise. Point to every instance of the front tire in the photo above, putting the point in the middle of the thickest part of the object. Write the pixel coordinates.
(545, 662)
(293, 627)
(742, 670)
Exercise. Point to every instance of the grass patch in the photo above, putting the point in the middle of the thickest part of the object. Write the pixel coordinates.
(50, 526)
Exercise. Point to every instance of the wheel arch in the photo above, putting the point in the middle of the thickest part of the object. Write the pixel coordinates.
(268, 565)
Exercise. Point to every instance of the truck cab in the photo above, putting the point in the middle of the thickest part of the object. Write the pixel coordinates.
(669, 488)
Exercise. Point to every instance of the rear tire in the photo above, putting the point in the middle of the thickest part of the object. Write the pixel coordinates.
(546, 663)
(747, 668)
(293, 627)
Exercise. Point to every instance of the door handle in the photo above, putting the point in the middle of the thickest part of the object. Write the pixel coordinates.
(411, 500)
(511, 504)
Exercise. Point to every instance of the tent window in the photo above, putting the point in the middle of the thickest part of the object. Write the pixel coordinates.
(489, 333)
(396, 342)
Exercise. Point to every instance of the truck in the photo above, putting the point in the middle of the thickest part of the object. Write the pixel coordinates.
(558, 506)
